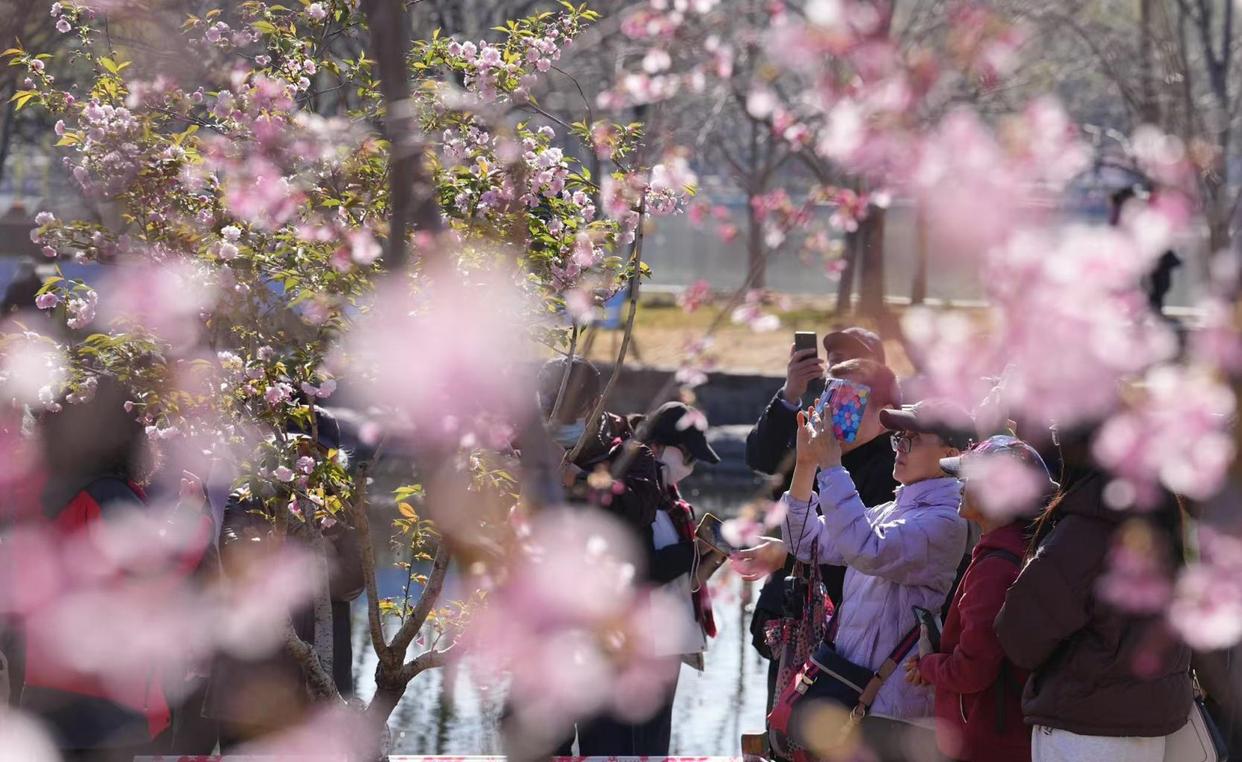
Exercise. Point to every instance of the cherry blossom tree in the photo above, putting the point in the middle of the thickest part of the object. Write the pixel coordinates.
(270, 247)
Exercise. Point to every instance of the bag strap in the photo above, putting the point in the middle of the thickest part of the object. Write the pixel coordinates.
(895, 658)
(1008, 555)
(1002, 679)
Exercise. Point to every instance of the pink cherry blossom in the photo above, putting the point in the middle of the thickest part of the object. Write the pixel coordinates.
(278, 393)
(695, 295)
(1207, 604)
(1177, 433)
(1137, 578)
(1005, 487)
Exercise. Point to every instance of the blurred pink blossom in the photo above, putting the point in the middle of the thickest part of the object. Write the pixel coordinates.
(695, 295)
(1005, 487)
(1178, 434)
(1137, 578)
(167, 298)
(456, 349)
(1207, 602)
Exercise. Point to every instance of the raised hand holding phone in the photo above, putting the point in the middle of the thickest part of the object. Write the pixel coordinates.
(843, 404)
(817, 445)
(804, 367)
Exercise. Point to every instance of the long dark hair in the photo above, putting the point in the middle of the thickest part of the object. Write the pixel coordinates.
(1080, 472)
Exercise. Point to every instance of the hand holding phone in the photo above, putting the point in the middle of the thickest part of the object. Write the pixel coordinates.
(804, 369)
(710, 531)
(929, 631)
(804, 340)
(844, 402)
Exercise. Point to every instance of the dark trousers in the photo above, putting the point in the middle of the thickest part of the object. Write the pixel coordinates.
(610, 737)
(894, 741)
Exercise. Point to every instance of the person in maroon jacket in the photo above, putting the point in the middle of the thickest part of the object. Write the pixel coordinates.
(978, 691)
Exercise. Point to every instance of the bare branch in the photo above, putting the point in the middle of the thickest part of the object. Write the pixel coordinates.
(362, 525)
(426, 660)
(318, 680)
(636, 260)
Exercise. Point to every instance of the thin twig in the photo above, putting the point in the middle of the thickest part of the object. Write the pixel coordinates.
(636, 260)
(426, 602)
(569, 364)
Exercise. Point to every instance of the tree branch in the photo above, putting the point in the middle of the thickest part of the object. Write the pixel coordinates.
(426, 603)
(429, 659)
(636, 260)
(318, 680)
(362, 525)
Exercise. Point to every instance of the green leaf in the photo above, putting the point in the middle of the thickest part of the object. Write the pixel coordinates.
(22, 97)
(264, 27)
(49, 284)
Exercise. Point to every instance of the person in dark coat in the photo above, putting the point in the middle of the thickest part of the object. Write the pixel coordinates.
(1159, 280)
(618, 474)
(1087, 698)
(679, 446)
(978, 692)
(869, 459)
(609, 447)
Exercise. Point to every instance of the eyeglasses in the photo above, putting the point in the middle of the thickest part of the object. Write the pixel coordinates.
(904, 443)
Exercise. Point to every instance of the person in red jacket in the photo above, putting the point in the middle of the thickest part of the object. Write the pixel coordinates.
(96, 712)
(978, 692)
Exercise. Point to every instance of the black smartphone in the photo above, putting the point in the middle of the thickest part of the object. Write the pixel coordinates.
(806, 340)
(710, 531)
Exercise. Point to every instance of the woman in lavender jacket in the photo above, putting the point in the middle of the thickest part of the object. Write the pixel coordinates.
(899, 555)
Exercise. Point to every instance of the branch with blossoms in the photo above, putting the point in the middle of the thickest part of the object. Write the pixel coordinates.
(246, 253)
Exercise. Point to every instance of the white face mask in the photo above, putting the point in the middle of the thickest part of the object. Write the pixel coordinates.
(674, 462)
(567, 434)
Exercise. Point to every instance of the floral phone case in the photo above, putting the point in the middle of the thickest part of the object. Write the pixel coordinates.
(847, 401)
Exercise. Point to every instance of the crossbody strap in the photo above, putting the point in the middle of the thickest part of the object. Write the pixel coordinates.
(895, 658)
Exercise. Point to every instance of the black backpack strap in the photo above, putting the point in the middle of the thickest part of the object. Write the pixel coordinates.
(1008, 555)
(1002, 679)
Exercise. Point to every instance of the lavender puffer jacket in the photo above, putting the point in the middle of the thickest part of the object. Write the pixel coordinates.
(900, 555)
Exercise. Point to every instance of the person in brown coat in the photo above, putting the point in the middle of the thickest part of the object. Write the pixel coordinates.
(1106, 683)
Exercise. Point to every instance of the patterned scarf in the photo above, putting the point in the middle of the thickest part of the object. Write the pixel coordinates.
(682, 514)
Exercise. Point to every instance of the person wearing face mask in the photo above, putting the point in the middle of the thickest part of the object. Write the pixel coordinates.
(569, 391)
(673, 556)
(614, 472)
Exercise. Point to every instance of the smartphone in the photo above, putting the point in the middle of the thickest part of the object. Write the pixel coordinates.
(845, 401)
(711, 532)
(929, 631)
(806, 340)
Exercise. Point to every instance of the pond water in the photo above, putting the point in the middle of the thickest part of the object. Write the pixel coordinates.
(444, 711)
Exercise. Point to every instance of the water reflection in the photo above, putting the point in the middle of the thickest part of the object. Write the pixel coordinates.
(446, 712)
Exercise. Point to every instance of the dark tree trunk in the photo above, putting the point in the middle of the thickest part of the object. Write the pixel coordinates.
(871, 262)
(845, 288)
(918, 290)
(756, 270)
